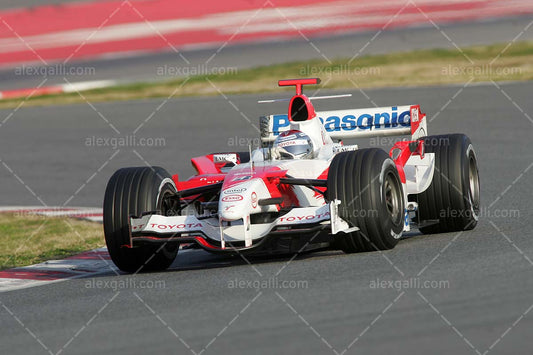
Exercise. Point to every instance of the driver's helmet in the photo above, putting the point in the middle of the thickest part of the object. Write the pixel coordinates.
(294, 144)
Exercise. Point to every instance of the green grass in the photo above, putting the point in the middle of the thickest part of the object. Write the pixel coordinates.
(30, 239)
(502, 62)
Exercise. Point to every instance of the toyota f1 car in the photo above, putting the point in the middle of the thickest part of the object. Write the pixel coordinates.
(302, 190)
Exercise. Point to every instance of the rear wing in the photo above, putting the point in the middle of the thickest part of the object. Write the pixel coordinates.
(357, 123)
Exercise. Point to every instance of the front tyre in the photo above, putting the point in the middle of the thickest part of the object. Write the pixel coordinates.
(371, 194)
(132, 191)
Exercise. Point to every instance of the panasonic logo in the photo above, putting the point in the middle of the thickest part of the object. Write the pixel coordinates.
(346, 122)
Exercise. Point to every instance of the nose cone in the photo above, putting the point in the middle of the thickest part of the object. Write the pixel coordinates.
(239, 201)
(232, 207)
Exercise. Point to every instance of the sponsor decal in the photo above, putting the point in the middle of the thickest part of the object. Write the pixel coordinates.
(236, 190)
(242, 178)
(293, 142)
(279, 123)
(366, 121)
(225, 158)
(345, 148)
(414, 115)
(176, 226)
(254, 200)
(288, 137)
(232, 198)
(310, 217)
(206, 181)
(227, 208)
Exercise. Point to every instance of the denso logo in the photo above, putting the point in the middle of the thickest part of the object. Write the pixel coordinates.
(235, 190)
(232, 198)
(347, 123)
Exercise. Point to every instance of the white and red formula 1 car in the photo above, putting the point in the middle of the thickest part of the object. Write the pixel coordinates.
(302, 190)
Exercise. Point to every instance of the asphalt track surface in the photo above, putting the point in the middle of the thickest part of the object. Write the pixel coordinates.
(483, 304)
(168, 64)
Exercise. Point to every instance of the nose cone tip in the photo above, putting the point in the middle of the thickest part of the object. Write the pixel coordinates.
(230, 215)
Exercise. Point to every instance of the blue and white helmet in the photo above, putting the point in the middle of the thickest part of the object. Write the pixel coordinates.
(294, 144)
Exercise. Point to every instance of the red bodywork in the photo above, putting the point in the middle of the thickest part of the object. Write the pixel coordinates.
(210, 172)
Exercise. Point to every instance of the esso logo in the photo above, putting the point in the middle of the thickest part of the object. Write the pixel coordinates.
(232, 198)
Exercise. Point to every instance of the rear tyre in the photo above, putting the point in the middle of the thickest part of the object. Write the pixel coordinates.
(132, 191)
(371, 194)
(451, 203)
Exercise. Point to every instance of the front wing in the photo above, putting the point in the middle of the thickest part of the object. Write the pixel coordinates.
(214, 235)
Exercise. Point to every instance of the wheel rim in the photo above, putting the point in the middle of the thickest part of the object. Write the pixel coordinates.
(392, 198)
(473, 180)
(167, 208)
(165, 205)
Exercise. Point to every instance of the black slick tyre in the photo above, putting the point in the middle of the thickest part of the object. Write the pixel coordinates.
(368, 185)
(132, 191)
(451, 203)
